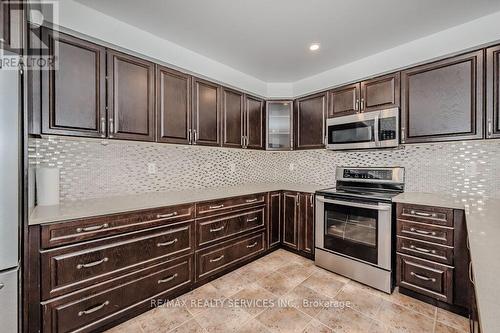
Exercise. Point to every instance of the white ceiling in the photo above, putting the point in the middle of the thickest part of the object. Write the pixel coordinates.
(269, 39)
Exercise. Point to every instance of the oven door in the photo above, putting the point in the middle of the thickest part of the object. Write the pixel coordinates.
(355, 229)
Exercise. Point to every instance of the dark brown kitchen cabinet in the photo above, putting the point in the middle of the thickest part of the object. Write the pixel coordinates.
(233, 117)
(380, 93)
(173, 106)
(443, 100)
(206, 122)
(73, 91)
(310, 121)
(130, 97)
(306, 224)
(493, 92)
(344, 100)
(255, 123)
(290, 219)
(275, 218)
(11, 25)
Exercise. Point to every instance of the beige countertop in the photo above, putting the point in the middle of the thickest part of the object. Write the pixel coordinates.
(117, 204)
(483, 226)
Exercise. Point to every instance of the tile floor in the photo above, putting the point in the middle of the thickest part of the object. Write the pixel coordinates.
(285, 293)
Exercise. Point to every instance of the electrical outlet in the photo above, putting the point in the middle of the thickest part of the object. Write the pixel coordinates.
(151, 168)
(291, 166)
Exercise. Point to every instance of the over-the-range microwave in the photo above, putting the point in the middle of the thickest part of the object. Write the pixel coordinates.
(375, 129)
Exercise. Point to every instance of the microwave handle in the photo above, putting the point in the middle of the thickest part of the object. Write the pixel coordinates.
(376, 130)
(354, 204)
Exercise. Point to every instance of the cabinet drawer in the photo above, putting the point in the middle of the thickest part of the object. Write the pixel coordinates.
(221, 206)
(425, 250)
(426, 214)
(69, 232)
(87, 311)
(216, 258)
(427, 278)
(219, 228)
(426, 232)
(74, 267)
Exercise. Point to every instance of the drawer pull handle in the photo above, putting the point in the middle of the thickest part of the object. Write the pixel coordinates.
(217, 259)
(170, 278)
(419, 249)
(92, 228)
(217, 229)
(175, 240)
(92, 264)
(92, 310)
(162, 216)
(251, 200)
(253, 219)
(252, 245)
(423, 232)
(423, 214)
(216, 207)
(421, 277)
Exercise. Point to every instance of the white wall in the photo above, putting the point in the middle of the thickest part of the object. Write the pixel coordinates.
(280, 89)
(85, 20)
(468, 35)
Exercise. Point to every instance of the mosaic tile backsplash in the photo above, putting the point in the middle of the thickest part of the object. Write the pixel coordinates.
(94, 168)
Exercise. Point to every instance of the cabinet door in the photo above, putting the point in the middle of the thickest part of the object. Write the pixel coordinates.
(290, 210)
(11, 25)
(380, 93)
(443, 100)
(279, 124)
(255, 123)
(130, 97)
(310, 122)
(275, 210)
(344, 100)
(233, 113)
(206, 113)
(306, 223)
(73, 92)
(493, 91)
(173, 106)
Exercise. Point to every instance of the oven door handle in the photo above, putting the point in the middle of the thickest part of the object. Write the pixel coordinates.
(354, 204)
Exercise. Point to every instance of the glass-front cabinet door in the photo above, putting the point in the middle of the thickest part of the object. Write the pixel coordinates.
(279, 125)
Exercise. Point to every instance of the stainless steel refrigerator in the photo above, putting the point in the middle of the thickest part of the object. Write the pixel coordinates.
(9, 199)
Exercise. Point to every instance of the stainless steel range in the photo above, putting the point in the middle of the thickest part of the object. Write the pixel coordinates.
(354, 224)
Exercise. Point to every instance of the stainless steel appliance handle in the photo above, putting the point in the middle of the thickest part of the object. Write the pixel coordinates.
(376, 130)
(353, 204)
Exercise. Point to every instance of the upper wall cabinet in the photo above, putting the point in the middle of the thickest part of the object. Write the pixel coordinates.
(206, 113)
(279, 124)
(310, 121)
(344, 100)
(130, 97)
(11, 22)
(380, 93)
(493, 92)
(73, 92)
(173, 106)
(443, 100)
(233, 117)
(254, 123)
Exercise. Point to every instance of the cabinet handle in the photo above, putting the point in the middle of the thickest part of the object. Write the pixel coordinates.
(162, 216)
(403, 137)
(251, 200)
(92, 264)
(490, 128)
(245, 140)
(173, 241)
(92, 228)
(111, 127)
(195, 136)
(170, 278)
(92, 310)
(252, 245)
(471, 278)
(423, 232)
(423, 214)
(103, 127)
(362, 107)
(311, 200)
(253, 219)
(190, 136)
(217, 259)
(419, 249)
(216, 207)
(421, 277)
(356, 105)
(217, 229)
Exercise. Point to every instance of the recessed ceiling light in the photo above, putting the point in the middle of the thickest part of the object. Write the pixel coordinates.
(314, 47)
